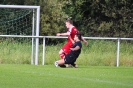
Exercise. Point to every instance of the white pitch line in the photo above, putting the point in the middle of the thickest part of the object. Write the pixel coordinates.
(93, 79)
(89, 79)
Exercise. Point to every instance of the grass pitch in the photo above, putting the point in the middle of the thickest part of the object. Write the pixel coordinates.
(48, 76)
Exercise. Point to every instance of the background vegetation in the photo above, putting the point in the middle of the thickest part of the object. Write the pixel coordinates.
(94, 18)
(97, 53)
(111, 18)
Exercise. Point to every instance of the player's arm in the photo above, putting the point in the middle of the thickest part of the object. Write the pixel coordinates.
(85, 42)
(76, 48)
(63, 34)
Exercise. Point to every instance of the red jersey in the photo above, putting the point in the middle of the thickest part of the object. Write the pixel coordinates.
(72, 32)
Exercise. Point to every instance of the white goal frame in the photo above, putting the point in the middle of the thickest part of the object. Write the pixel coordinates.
(34, 59)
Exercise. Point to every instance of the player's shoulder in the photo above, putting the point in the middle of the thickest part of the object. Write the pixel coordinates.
(79, 42)
(74, 28)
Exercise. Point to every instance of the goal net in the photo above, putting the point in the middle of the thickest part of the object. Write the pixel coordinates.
(19, 21)
(15, 21)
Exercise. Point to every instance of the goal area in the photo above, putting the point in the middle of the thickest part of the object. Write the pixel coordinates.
(18, 21)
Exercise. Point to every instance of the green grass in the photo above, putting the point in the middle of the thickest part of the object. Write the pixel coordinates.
(97, 53)
(48, 76)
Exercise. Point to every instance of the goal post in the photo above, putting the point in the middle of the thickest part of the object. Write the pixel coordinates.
(35, 27)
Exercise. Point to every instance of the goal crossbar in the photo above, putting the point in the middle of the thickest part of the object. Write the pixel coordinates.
(19, 6)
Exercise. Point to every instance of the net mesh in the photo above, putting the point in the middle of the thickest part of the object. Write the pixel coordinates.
(15, 21)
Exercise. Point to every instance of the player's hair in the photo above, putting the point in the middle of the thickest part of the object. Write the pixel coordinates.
(79, 36)
(69, 20)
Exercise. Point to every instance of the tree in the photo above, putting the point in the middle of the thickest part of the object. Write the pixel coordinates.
(112, 18)
(12, 2)
(52, 17)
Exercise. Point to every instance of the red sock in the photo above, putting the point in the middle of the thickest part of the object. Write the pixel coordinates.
(62, 55)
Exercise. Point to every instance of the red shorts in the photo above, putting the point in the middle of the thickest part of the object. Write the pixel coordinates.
(66, 47)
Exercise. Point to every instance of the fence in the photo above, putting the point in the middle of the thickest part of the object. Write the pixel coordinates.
(44, 37)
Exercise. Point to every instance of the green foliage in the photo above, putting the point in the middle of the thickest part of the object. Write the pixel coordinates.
(10, 2)
(73, 8)
(52, 17)
(104, 18)
(14, 52)
(112, 18)
(98, 53)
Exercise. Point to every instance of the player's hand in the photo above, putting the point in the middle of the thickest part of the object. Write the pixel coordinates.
(58, 34)
(86, 43)
(72, 49)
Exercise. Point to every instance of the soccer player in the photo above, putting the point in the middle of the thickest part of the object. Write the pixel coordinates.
(71, 32)
(74, 53)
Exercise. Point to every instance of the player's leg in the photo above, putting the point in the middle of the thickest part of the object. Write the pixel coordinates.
(60, 63)
(74, 65)
(65, 50)
(62, 54)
